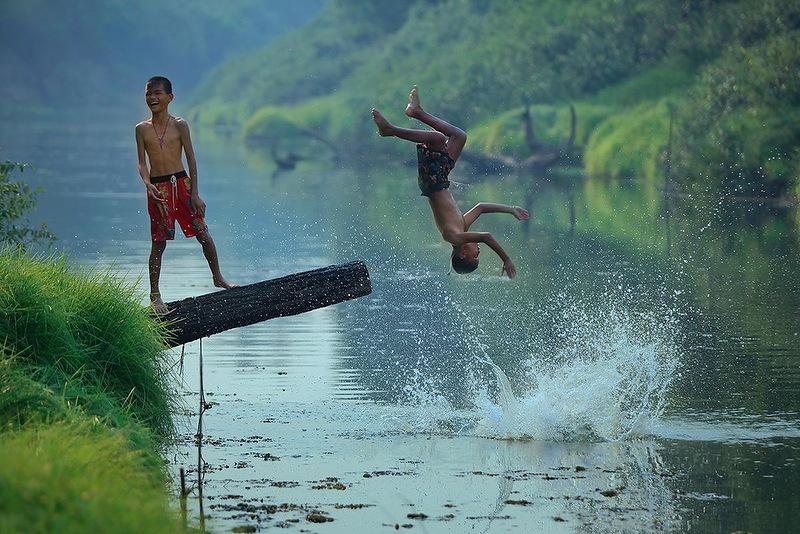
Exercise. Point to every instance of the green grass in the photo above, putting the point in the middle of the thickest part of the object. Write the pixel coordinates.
(76, 478)
(505, 135)
(630, 143)
(25, 401)
(85, 405)
(86, 336)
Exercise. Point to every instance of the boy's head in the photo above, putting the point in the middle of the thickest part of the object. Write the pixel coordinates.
(465, 258)
(158, 93)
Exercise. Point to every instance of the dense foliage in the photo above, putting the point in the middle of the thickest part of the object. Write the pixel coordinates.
(628, 64)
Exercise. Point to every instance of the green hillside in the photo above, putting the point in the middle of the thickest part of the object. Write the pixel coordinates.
(728, 70)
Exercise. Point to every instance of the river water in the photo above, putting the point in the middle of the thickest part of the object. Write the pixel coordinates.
(642, 373)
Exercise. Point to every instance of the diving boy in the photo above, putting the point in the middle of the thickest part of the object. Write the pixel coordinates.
(437, 153)
(172, 194)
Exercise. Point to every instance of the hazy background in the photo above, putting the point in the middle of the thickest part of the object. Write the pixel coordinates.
(725, 71)
(56, 54)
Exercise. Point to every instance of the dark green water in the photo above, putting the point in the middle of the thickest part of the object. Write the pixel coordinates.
(650, 339)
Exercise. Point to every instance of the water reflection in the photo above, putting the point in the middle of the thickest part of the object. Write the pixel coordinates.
(386, 386)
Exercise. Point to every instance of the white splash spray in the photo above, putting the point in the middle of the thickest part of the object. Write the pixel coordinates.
(607, 380)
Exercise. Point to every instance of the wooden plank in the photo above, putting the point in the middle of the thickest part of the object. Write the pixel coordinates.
(210, 314)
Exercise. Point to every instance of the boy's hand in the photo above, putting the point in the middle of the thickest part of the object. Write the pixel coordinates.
(154, 193)
(509, 268)
(198, 205)
(520, 213)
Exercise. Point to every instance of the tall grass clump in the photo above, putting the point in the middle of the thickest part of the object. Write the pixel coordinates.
(76, 478)
(23, 400)
(85, 336)
(84, 403)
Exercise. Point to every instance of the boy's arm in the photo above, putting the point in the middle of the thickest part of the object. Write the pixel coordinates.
(188, 149)
(486, 207)
(486, 237)
(144, 172)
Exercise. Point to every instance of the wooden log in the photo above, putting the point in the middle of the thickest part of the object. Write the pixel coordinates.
(209, 314)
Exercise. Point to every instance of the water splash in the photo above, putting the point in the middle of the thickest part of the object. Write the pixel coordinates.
(604, 378)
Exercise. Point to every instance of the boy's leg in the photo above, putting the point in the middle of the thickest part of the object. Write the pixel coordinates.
(456, 137)
(434, 140)
(154, 265)
(210, 252)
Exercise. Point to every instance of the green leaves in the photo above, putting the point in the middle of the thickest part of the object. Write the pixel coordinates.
(17, 200)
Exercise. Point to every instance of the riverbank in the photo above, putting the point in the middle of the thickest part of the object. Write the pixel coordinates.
(85, 406)
(724, 77)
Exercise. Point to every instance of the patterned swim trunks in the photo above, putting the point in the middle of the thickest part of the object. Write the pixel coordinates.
(434, 167)
(176, 189)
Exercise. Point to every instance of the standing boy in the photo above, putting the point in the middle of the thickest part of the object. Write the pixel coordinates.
(171, 193)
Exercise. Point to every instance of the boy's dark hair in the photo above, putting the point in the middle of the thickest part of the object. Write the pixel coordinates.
(162, 81)
(462, 265)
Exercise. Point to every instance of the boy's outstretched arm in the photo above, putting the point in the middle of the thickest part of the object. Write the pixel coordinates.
(485, 237)
(188, 149)
(487, 207)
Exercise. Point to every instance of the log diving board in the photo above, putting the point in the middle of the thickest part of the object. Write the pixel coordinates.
(197, 317)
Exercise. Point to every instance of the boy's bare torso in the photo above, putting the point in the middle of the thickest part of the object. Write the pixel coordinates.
(163, 145)
(446, 213)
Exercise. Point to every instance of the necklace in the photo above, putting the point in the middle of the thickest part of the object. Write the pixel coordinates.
(161, 137)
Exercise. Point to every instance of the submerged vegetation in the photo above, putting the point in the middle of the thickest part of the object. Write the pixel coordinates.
(727, 71)
(84, 403)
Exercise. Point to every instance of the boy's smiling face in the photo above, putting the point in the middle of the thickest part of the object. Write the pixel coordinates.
(156, 97)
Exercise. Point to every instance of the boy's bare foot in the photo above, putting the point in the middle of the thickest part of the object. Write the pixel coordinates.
(384, 128)
(221, 282)
(157, 305)
(414, 108)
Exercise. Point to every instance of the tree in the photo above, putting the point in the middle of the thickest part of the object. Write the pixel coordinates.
(17, 200)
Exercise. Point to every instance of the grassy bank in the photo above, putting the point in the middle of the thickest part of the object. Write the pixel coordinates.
(84, 403)
(727, 71)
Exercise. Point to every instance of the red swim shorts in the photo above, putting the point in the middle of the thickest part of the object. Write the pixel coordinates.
(176, 189)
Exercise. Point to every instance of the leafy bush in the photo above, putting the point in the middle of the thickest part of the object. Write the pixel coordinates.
(742, 121)
(16, 202)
